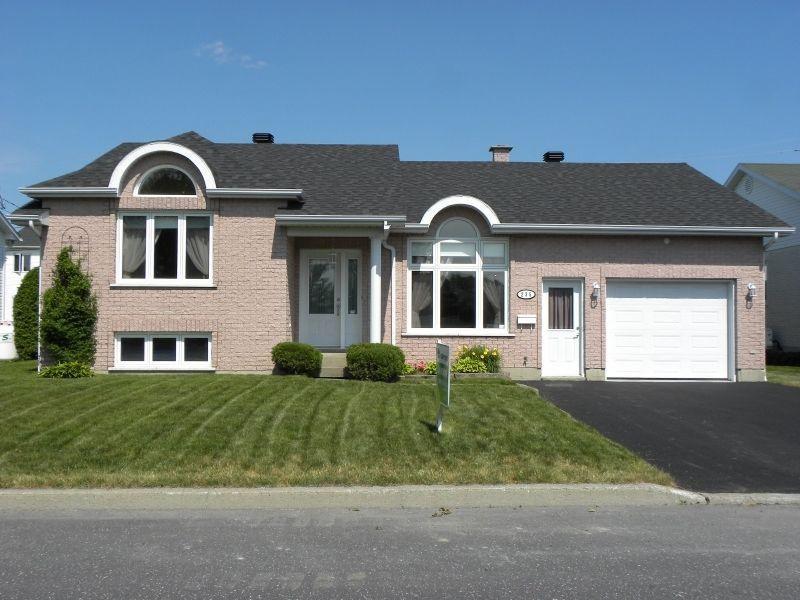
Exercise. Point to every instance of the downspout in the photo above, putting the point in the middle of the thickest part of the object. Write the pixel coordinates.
(769, 243)
(392, 253)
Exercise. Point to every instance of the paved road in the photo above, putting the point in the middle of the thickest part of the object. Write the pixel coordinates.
(552, 553)
(711, 437)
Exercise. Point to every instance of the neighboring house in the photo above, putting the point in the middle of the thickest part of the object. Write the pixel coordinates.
(776, 188)
(205, 255)
(19, 254)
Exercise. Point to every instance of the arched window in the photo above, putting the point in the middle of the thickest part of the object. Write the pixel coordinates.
(166, 181)
(458, 281)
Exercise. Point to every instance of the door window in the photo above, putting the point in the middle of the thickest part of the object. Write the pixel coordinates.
(560, 312)
(321, 286)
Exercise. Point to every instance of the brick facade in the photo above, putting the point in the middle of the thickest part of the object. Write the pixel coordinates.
(253, 304)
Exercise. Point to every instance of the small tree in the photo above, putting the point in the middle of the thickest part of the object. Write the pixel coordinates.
(69, 313)
(26, 316)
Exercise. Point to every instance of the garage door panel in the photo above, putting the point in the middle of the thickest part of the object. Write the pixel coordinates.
(667, 330)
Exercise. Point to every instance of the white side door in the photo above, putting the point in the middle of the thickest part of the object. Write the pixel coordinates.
(562, 334)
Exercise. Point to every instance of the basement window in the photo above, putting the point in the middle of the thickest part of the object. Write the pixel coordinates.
(163, 351)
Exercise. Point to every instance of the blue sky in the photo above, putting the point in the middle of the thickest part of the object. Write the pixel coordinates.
(707, 83)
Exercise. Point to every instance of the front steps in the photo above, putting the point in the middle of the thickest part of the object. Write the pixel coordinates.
(333, 364)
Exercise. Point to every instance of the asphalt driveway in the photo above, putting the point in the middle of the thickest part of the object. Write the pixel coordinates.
(711, 437)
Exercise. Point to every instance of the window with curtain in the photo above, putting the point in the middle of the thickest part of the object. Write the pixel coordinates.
(166, 181)
(458, 281)
(164, 249)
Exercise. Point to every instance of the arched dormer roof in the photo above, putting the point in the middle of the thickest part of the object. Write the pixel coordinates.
(123, 165)
(468, 201)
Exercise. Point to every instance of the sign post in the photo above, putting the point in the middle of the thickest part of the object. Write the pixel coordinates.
(442, 381)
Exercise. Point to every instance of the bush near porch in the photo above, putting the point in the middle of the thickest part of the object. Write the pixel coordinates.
(252, 430)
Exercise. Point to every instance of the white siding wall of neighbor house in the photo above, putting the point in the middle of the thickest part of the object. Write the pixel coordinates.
(782, 257)
(2, 282)
(12, 279)
(776, 202)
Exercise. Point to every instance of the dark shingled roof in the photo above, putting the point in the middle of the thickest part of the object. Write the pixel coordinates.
(371, 179)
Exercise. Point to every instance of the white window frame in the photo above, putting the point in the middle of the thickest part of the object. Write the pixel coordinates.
(149, 280)
(150, 171)
(436, 267)
(20, 256)
(149, 365)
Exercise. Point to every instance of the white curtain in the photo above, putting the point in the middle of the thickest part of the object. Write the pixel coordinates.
(197, 249)
(495, 295)
(421, 297)
(134, 249)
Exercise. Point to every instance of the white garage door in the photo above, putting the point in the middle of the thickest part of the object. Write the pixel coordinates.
(667, 330)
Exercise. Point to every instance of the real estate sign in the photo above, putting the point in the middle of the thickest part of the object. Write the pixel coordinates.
(442, 381)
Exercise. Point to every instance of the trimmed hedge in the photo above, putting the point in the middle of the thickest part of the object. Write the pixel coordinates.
(26, 316)
(783, 358)
(295, 358)
(375, 362)
(67, 370)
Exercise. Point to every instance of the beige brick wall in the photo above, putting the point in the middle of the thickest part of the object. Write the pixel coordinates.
(256, 279)
(248, 310)
(599, 258)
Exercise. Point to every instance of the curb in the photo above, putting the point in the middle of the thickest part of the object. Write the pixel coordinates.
(762, 499)
(467, 496)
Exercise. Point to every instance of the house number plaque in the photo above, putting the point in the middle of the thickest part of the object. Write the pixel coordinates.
(526, 294)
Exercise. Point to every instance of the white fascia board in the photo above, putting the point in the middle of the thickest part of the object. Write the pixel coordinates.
(639, 229)
(253, 193)
(12, 233)
(734, 177)
(368, 220)
(69, 192)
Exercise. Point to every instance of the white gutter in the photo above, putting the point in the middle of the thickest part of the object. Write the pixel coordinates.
(569, 228)
(253, 193)
(112, 192)
(392, 253)
(70, 192)
(379, 220)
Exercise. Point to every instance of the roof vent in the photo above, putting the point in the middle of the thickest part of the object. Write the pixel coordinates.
(263, 138)
(553, 156)
(748, 184)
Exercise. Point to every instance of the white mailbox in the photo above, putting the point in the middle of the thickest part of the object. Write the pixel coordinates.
(526, 320)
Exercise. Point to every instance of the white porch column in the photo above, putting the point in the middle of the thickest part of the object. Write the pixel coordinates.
(375, 320)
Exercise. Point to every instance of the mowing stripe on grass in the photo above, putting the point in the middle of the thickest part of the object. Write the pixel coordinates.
(68, 422)
(54, 398)
(343, 424)
(275, 420)
(158, 410)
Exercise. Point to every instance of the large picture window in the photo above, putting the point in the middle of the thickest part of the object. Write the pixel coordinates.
(164, 249)
(458, 282)
(165, 351)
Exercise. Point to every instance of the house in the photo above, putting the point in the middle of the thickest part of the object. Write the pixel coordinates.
(18, 255)
(204, 255)
(775, 187)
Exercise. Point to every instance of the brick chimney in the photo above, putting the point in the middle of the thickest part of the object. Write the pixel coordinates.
(500, 153)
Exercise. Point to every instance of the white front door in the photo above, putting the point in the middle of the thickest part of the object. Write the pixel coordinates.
(562, 338)
(330, 298)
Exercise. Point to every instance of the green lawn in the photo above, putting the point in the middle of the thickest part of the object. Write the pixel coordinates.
(784, 375)
(250, 430)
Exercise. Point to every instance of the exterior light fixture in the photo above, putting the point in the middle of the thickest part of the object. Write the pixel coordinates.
(751, 291)
(595, 291)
